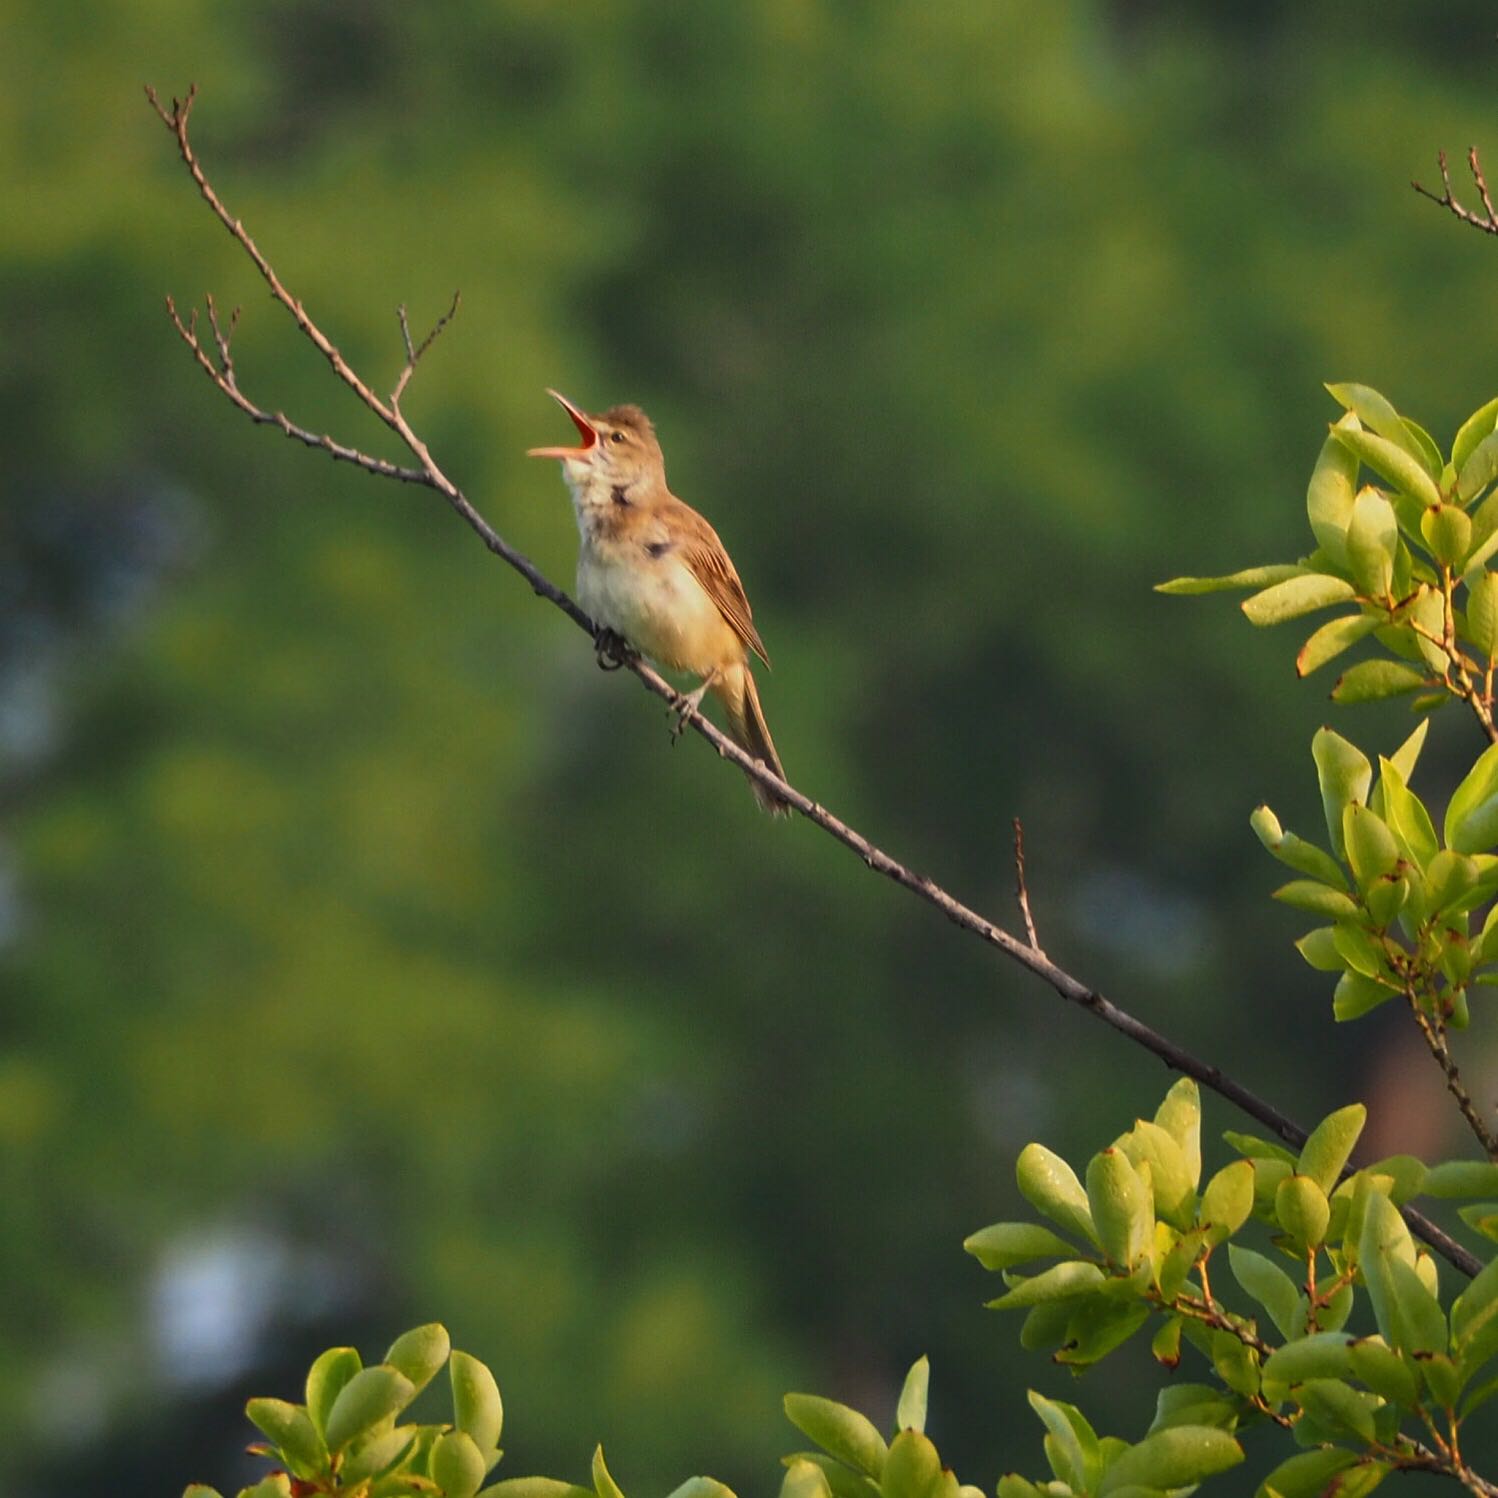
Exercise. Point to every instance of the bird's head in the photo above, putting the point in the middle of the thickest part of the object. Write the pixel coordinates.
(618, 450)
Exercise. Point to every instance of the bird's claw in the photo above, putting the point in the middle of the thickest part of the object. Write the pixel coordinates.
(685, 705)
(610, 649)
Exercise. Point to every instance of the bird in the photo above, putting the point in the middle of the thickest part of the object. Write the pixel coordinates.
(651, 572)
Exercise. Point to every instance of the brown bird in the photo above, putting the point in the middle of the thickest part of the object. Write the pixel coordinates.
(651, 570)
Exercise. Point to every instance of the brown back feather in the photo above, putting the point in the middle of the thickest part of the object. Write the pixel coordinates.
(710, 564)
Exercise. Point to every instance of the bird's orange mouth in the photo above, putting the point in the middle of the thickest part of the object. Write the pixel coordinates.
(586, 430)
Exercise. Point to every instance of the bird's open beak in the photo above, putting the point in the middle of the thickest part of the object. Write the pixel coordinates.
(586, 430)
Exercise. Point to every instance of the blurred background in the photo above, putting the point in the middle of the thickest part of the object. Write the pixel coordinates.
(367, 956)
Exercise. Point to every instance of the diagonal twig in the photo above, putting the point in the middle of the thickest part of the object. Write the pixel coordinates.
(427, 473)
(1021, 890)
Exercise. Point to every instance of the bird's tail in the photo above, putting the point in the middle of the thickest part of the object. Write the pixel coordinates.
(746, 722)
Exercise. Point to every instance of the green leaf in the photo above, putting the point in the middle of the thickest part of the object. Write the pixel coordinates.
(1322, 1355)
(1478, 425)
(1405, 1175)
(841, 1479)
(1392, 462)
(1482, 613)
(1371, 848)
(1345, 776)
(1012, 1485)
(1384, 1371)
(420, 1353)
(1447, 530)
(1268, 1284)
(1249, 577)
(1475, 1310)
(292, 1432)
(477, 1407)
(1296, 853)
(277, 1485)
(1422, 1323)
(368, 1397)
(1462, 1178)
(457, 1465)
(1097, 1327)
(200, 1490)
(1121, 1207)
(1373, 543)
(1319, 948)
(1045, 1325)
(1302, 1209)
(1356, 995)
(375, 1454)
(325, 1380)
(1375, 412)
(1335, 636)
(1479, 1397)
(535, 1487)
(1313, 896)
(1251, 1147)
(1330, 1145)
(604, 1485)
(1051, 1186)
(1427, 451)
(912, 1469)
(1060, 1282)
(1171, 1187)
(1479, 785)
(1173, 1458)
(1235, 1363)
(1308, 1475)
(910, 1414)
(1329, 497)
(803, 1479)
(838, 1430)
(1357, 949)
(1180, 1115)
(1372, 681)
(1229, 1198)
(701, 1487)
(1405, 758)
(1338, 1407)
(1192, 1404)
(1005, 1244)
(1405, 813)
(1071, 1446)
(1165, 1345)
(1479, 470)
(1384, 1239)
(1297, 596)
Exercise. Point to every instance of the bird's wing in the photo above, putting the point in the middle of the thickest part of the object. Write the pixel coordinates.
(709, 563)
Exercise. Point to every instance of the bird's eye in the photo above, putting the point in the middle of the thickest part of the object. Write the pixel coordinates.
(616, 437)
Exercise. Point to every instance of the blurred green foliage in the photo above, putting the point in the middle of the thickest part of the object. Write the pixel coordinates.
(357, 915)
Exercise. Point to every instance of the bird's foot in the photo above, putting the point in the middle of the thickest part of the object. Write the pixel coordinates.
(687, 704)
(610, 649)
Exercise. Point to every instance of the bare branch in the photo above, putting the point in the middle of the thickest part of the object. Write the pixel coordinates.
(1487, 221)
(1021, 893)
(1434, 1033)
(1026, 953)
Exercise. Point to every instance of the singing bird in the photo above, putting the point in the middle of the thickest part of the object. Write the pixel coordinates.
(653, 571)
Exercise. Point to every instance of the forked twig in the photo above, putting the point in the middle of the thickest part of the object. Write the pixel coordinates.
(427, 473)
(1487, 221)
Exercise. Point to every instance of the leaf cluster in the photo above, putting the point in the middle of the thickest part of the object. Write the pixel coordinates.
(1405, 556)
(1138, 1235)
(345, 1438)
(1397, 899)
